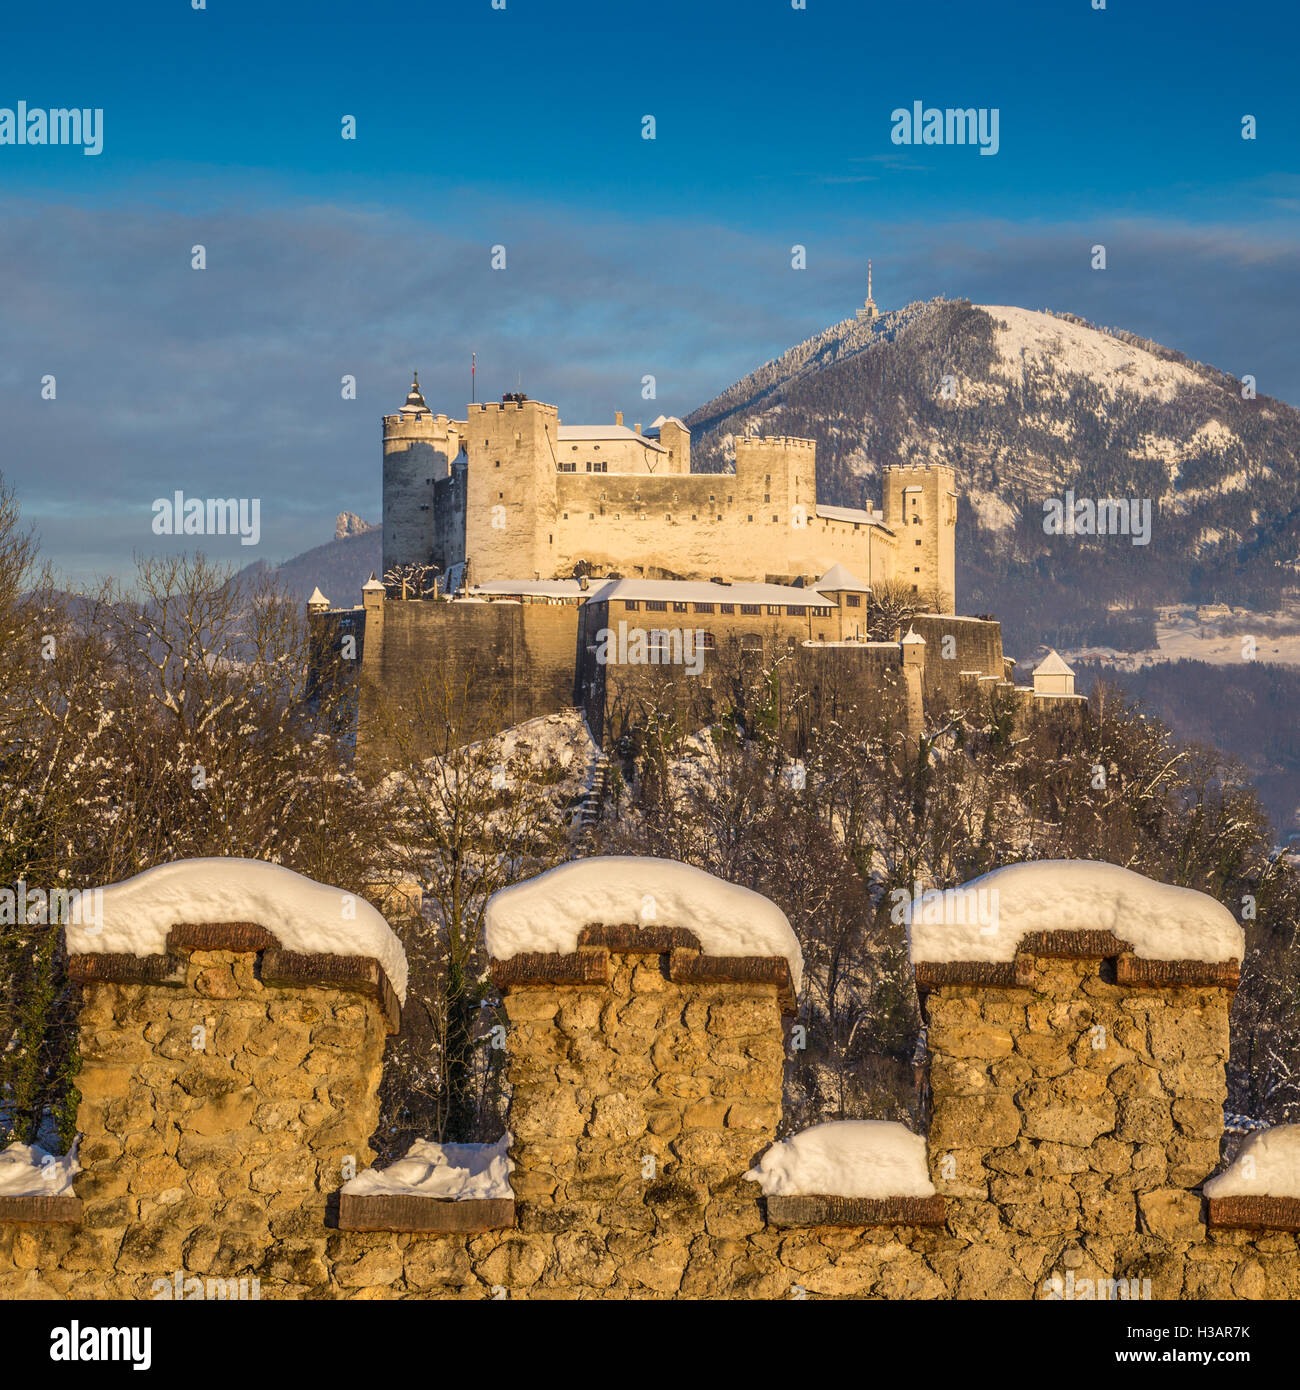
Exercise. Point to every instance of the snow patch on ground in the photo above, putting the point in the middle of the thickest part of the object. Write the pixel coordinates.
(1043, 342)
(846, 1158)
(301, 914)
(546, 913)
(460, 1172)
(1267, 1165)
(999, 909)
(992, 513)
(28, 1170)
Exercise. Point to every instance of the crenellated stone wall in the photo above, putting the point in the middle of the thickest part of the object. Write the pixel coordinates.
(229, 1087)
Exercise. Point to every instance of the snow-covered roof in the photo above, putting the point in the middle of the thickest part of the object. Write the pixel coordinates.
(546, 588)
(1052, 665)
(987, 918)
(456, 1171)
(661, 420)
(317, 599)
(548, 912)
(301, 914)
(702, 591)
(913, 639)
(372, 585)
(846, 1158)
(572, 434)
(1267, 1165)
(854, 514)
(837, 578)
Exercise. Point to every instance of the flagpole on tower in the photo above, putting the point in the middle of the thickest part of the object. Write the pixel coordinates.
(473, 363)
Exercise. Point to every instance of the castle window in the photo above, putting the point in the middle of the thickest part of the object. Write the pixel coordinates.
(709, 641)
(704, 608)
(656, 605)
(749, 518)
(752, 642)
(591, 516)
(726, 607)
(914, 588)
(767, 497)
(796, 611)
(679, 607)
(774, 610)
(632, 605)
(916, 569)
(730, 500)
(918, 540)
(497, 464)
(424, 507)
(566, 516)
(694, 517)
(773, 518)
(853, 600)
(574, 447)
(751, 609)
(916, 521)
(767, 477)
(711, 497)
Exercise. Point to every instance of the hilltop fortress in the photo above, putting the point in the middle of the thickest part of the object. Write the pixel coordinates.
(512, 493)
(560, 566)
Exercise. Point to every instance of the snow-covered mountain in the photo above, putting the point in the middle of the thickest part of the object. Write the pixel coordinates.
(1026, 405)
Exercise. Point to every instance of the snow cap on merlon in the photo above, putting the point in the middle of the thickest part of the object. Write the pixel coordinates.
(547, 913)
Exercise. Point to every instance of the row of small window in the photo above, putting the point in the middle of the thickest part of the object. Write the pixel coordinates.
(751, 641)
(571, 466)
(668, 516)
(750, 610)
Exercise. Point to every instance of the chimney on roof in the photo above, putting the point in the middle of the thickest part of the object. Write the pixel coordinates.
(618, 417)
(637, 428)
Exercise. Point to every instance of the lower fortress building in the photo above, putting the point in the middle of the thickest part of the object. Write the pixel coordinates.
(708, 575)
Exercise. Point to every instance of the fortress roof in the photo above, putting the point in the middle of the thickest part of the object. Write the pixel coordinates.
(574, 433)
(856, 514)
(838, 579)
(549, 588)
(1052, 665)
(704, 591)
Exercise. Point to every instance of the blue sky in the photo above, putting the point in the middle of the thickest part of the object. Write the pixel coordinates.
(625, 256)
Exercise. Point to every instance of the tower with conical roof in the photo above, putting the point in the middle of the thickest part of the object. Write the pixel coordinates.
(419, 448)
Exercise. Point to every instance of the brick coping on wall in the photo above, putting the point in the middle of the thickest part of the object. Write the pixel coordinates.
(687, 963)
(414, 1213)
(280, 969)
(826, 1210)
(45, 1211)
(1254, 1213)
(1078, 945)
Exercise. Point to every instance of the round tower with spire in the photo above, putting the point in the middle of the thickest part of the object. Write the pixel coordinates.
(419, 448)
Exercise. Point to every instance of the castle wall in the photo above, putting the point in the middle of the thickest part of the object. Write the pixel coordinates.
(1077, 1108)
(698, 527)
(975, 645)
(521, 656)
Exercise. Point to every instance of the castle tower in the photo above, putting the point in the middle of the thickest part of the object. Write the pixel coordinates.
(776, 478)
(418, 449)
(920, 506)
(511, 503)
